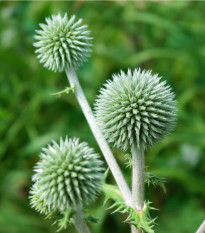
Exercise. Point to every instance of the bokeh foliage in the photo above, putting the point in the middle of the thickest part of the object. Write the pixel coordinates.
(167, 37)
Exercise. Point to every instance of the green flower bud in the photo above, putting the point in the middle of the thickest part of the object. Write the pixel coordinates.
(67, 175)
(62, 43)
(135, 108)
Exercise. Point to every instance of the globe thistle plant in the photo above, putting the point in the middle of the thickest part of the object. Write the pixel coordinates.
(134, 111)
(67, 175)
(135, 108)
(62, 42)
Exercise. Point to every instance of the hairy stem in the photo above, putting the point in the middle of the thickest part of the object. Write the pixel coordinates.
(201, 228)
(79, 223)
(110, 159)
(137, 180)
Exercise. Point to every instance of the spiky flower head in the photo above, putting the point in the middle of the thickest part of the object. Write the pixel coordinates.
(62, 43)
(67, 175)
(135, 108)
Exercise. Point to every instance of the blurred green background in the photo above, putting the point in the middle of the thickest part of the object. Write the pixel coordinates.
(167, 37)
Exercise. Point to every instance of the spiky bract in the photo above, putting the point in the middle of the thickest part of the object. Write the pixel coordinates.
(67, 175)
(139, 219)
(135, 108)
(37, 202)
(62, 43)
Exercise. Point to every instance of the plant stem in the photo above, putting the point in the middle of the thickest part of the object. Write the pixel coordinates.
(79, 223)
(201, 228)
(137, 180)
(110, 159)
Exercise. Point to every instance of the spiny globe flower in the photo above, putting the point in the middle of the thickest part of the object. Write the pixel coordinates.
(135, 108)
(62, 43)
(67, 175)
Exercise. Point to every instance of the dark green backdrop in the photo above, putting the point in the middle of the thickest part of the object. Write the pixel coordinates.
(168, 38)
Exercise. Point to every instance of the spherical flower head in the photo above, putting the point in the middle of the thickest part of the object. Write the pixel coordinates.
(68, 175)
(62, 43)
(135, 108)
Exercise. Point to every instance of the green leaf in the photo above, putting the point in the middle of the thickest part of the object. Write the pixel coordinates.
(150, 178)
(139, 219)
(67, 90)
(128, 159)
(64, 220)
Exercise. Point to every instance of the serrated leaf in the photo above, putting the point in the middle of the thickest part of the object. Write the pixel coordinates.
(64, 220)
(139, 219)
(150, 178)
(67, 90)
(128, 159)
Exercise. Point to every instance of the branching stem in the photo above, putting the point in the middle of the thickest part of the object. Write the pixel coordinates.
(111, 161)
(137, 180)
